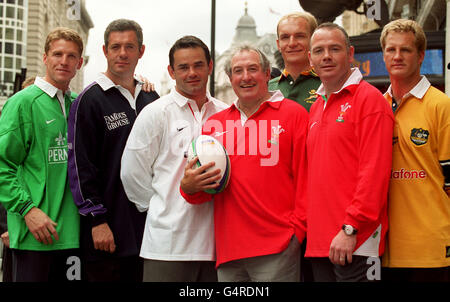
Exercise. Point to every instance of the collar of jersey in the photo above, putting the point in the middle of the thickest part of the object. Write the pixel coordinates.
(48, 88)
(418, 91)
(274, 101)
(354, 79)
(183, 101)
(106, 83)
(308, 72)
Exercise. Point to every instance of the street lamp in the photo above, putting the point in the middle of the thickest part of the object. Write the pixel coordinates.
(213, 45)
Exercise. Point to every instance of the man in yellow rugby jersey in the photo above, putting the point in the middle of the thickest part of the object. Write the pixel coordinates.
(418, 246)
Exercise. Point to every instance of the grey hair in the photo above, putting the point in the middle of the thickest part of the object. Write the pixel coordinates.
(263, 61)
(124, 25)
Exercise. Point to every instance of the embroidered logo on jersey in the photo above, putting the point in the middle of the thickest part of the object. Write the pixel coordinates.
(275, 135)
(419, 136)
(116, 120)
(58, 154)
(312, 97)
(344, 108)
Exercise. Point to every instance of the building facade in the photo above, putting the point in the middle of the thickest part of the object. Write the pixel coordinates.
(245, 33)
(13, 34)
(365, 34)
(23, 29)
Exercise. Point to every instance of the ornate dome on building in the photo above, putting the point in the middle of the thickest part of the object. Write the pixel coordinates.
(245, 33)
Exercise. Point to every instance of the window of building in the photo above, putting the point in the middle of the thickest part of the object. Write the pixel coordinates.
(8, 77)
(9, 33)
(9, 48)
(11, 1)
(20, 14)
(8, 62)
(18, 49)
(18, 63)
(19, 35)
(10, 12)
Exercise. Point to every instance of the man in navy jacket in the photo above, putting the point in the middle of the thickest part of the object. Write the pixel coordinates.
(99, 124)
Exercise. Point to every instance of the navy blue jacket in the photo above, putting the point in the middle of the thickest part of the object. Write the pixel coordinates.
(99, 125)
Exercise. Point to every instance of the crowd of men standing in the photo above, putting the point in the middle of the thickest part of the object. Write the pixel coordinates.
(351, 174)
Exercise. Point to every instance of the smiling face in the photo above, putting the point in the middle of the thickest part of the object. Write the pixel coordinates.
(122, 54)
(190, 71)
(62, 60)
(331, 57)
(401, 56)
(293, 41)
(248, 79)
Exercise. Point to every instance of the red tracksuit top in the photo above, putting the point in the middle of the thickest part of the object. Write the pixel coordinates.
(349, 150)
(254, 214)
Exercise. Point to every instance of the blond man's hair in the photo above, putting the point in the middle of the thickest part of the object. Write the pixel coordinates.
(65, 34)
(404, 25)
(28, 81)
(310, 19)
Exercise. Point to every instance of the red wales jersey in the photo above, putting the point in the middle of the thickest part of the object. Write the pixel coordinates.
(349, 149)
(253, 216)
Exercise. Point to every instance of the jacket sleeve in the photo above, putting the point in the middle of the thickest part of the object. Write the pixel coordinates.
(15, 140)
(84, 135)
(299, 167)
(196, 198)
(374, 132)
(139, 155)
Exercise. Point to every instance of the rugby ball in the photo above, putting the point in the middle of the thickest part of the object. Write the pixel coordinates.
(208, 149)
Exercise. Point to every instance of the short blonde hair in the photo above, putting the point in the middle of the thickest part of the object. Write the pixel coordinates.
(28, 81)
(310, 19)
(65, 34)
(404, 25)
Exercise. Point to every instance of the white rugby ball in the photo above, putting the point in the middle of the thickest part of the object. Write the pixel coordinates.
(208, 149)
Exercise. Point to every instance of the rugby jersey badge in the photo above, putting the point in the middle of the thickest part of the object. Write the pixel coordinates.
(419, 136)
(312, 97)
(344, 108)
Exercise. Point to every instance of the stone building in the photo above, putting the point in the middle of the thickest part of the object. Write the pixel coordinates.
(24, 25)
(245, 33)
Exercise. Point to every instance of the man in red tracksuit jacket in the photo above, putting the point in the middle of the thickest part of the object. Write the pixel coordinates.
(265, 136)
(349, 149)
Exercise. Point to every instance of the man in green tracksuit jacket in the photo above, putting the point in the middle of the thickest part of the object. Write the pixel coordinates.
(43, 221)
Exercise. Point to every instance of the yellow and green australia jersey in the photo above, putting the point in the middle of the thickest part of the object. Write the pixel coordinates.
(419, 203)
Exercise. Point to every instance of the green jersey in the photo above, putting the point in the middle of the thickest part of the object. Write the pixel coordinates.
(302, 90)
(33, 167)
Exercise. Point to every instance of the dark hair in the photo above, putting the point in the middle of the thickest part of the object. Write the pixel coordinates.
(331, 26)
(188, 42)
(124, 25)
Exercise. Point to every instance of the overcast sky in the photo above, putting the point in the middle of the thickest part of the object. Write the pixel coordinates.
(164, 21)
